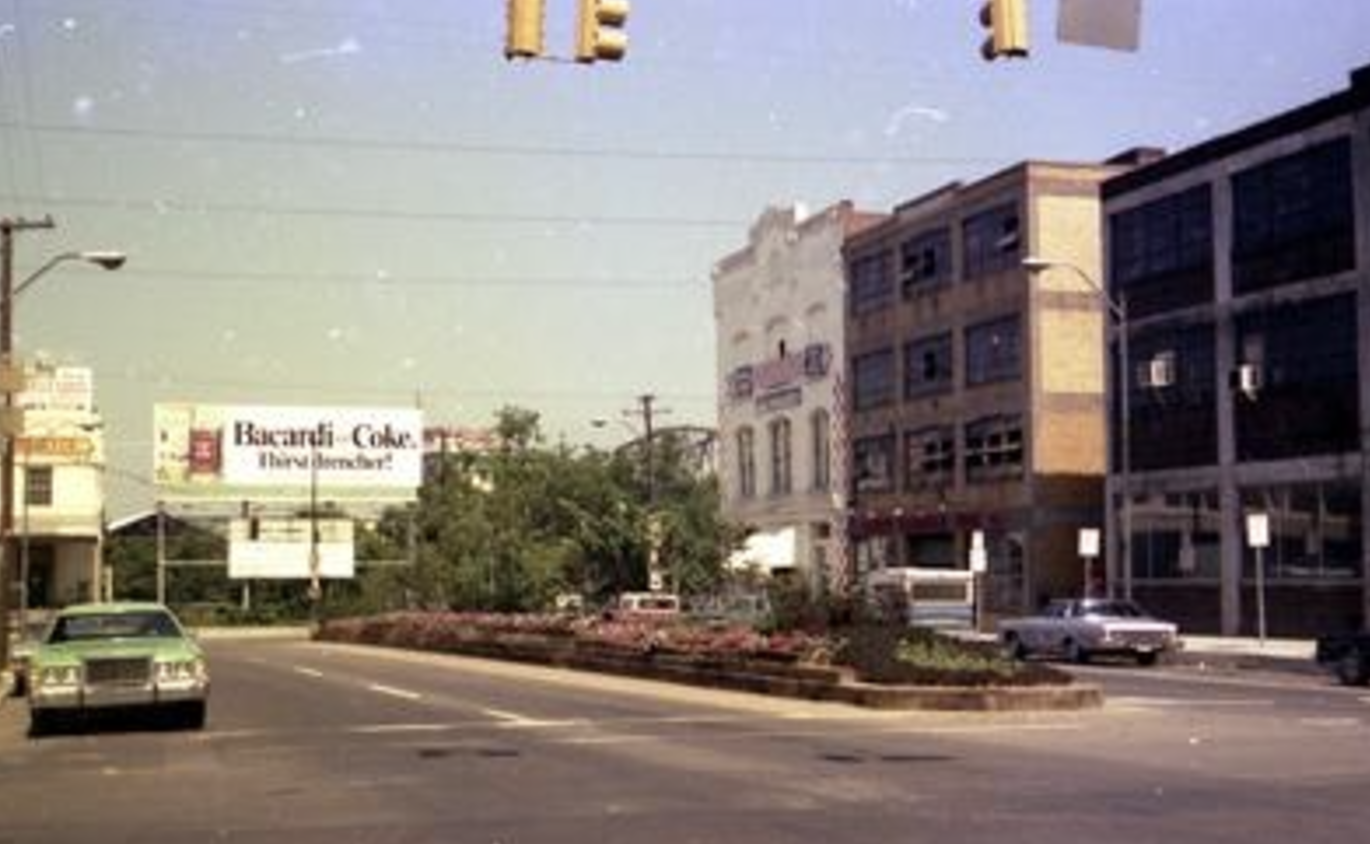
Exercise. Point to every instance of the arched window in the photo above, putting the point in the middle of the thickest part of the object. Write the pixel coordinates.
(820, 425)
(746, 463)
(782, 458)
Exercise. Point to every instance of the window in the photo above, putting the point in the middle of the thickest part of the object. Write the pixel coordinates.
(993, 351)
(782, 458)
(872, 288)
(1305, 399)
(925, 261)
(1162, 252)
(1177, 536)
(1315, 531)
(38, 486)
(873, 464)
(1174, 425)
(930, 457)
(1293, 218)
(746, 463)
(820, 424)
(873, 379)
(928, 366)
(991, 241)
(994, 448)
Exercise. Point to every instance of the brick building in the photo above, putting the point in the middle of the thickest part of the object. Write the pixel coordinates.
(977, 388)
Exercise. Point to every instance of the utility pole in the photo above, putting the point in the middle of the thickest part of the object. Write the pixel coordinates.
(648, 412)
(8, 228)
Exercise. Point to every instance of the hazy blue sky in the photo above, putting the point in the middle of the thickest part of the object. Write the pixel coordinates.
(360, 201)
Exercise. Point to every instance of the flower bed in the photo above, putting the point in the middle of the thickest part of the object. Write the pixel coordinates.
(877, 655)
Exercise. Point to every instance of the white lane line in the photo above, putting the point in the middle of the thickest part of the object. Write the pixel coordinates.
(513, 720)
(389, 729)
(308, 672)
(402, 694)
(1333, 722)
(1185, 703)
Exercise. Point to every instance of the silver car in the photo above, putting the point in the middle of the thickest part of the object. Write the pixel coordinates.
(1079, 629)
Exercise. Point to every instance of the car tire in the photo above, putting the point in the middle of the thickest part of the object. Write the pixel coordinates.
(193, 715)
(41, 723)
(1352, 670)
(1075, 652)
(1014, 647)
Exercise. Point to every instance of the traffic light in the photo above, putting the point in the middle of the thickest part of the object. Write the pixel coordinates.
(524, 37)
(599, 31)
(1007, 23)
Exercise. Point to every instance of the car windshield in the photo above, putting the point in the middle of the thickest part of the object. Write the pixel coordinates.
(1115, 609)
(122, 625)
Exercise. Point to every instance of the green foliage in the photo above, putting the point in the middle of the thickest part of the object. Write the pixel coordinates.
(893, 654)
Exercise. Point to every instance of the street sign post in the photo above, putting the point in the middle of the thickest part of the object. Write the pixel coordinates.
(1258, 537)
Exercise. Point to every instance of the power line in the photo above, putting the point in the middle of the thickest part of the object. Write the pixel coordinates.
(383, 280)
(168, 206)
(498, 149)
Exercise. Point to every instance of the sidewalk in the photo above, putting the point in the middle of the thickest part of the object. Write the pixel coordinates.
(1242, 652)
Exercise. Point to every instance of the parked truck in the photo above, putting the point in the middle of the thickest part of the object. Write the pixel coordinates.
(1346, 655)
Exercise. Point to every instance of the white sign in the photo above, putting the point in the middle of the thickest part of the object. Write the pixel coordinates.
(1111, 24)
(1258, 530)
(979, 557)
(231, 451)
(1089, 543)
(281, 549)
(58, 388)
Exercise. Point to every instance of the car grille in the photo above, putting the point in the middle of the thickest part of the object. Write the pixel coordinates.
(118, 672)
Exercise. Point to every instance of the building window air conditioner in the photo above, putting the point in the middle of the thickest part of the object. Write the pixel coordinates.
(1159, 372)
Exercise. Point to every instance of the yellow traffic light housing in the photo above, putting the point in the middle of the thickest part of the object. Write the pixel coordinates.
(1007, 22)
(599, 31)
(524, 37)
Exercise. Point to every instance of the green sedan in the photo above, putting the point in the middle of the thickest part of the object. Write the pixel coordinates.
(116, 656)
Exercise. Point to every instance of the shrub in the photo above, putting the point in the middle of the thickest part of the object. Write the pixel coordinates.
(890, 654)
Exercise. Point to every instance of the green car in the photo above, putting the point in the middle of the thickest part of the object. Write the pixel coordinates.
(116, 656)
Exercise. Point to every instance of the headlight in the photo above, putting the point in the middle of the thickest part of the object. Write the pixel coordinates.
(58, 675)
(187, 669)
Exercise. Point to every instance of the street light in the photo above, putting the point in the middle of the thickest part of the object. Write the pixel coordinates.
(105, 259)
(1117, 385)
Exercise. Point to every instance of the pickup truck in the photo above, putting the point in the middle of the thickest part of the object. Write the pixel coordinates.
(1347, 655)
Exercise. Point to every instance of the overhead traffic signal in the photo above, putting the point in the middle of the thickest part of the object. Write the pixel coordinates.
(524, 37)
(1007, 22)
(599, 30)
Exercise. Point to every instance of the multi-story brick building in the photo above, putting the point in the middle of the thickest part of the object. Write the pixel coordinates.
(778, 312)
(977, 388)
(1244, 264)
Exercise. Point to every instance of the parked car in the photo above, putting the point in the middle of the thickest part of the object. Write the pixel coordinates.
(653, 606)
(116, 655)
(1079, 629)
(1346, 655)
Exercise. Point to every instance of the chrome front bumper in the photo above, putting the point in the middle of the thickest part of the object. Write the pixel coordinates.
(112, 696)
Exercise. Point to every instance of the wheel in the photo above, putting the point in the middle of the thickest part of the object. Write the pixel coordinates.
(41, 722)
(193, 715)
(1014, 647)
(1352, 670)
(1075, 653)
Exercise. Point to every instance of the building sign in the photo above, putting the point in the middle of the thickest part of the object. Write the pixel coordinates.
(70, 449)
(780, 375)
(58, 388)
(265, 452)
(282, 549)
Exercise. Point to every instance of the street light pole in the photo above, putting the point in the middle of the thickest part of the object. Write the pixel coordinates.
(108, 260)
(1118, 385)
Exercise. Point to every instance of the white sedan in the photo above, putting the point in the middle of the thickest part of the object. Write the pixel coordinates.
(1081, 628)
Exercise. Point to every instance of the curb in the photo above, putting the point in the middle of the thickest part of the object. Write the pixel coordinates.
(804, 682)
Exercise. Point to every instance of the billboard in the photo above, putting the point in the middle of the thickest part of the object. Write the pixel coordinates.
(261, 452)
(281, 549)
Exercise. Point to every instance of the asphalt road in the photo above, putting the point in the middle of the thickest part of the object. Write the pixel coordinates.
(312, 743)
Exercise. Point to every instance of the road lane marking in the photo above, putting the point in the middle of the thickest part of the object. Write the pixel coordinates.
(514, 720)
(402, 694)
(1142, 701)
(308, 672)
(391, 729)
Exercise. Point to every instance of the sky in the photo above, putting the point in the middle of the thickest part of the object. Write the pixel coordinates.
(361, 202)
